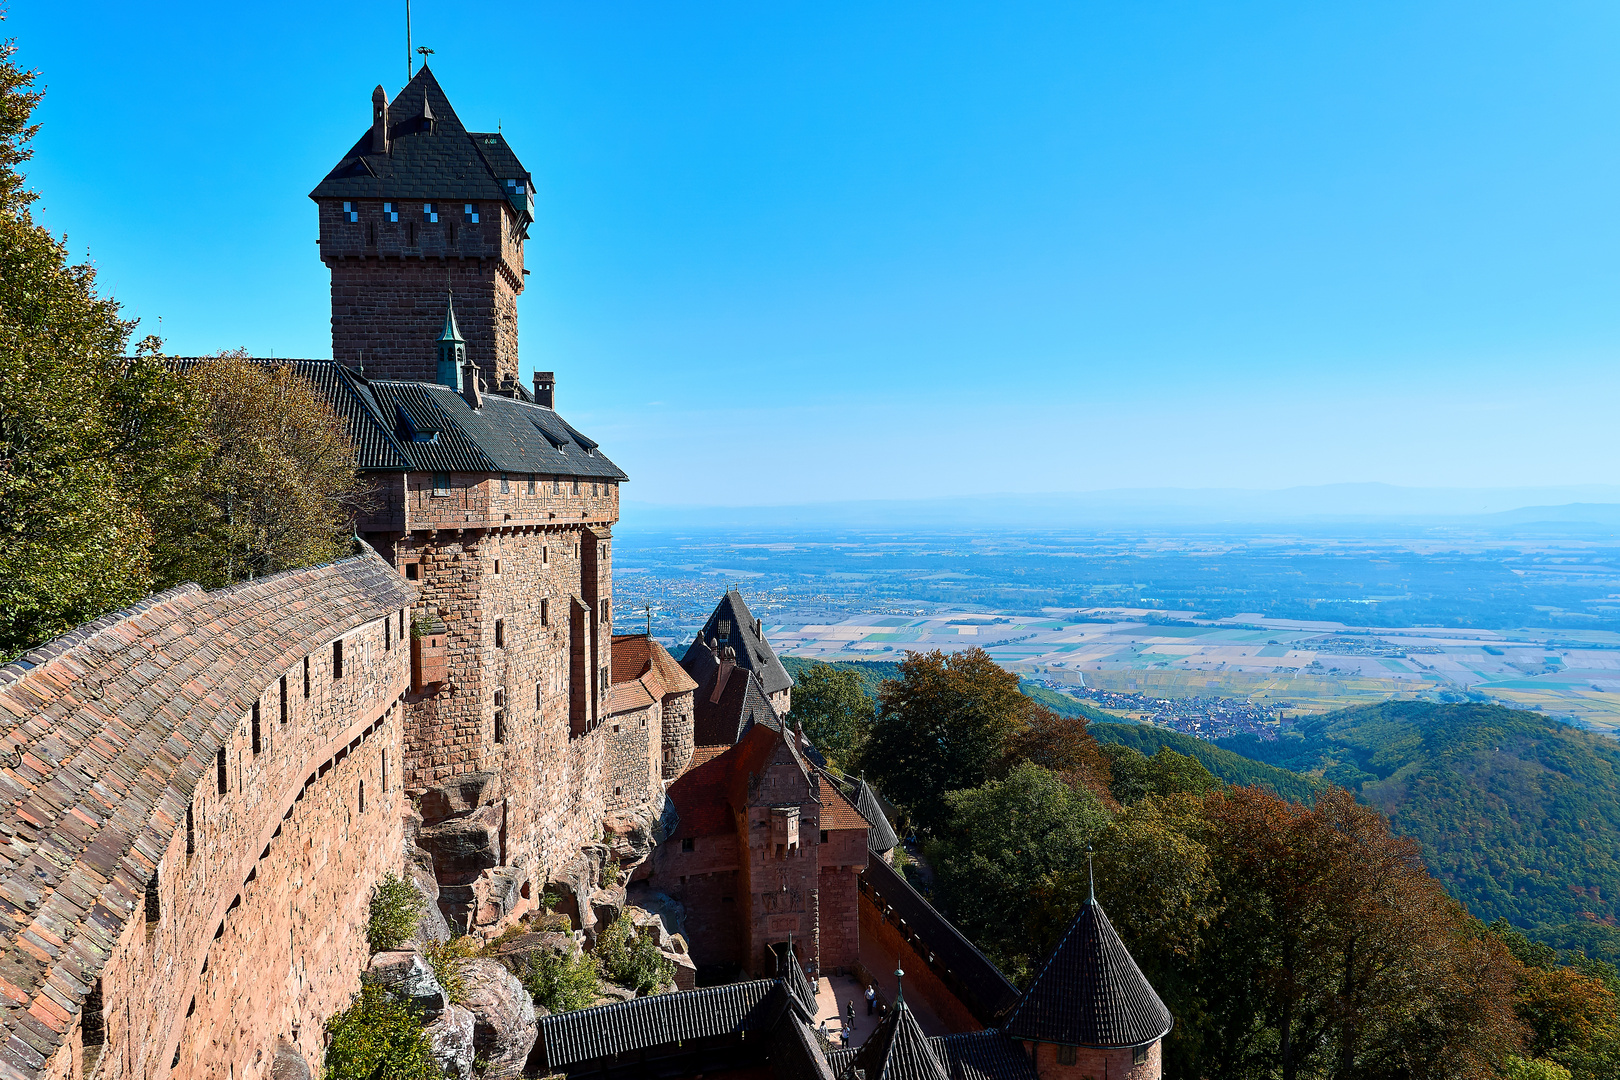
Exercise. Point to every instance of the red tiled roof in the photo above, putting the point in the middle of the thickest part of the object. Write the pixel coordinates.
(643, 673)
(837, 812)
(109, 728)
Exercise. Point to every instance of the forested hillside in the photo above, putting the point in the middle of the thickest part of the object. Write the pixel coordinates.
(1518, 814)
(1227, 766)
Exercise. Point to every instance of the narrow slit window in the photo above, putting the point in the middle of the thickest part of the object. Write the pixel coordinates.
(191, 830)
(255, 737)
(284, 703)
(500, 633)
(362, 796)
(410, 233)
(545, 612)
(306, 678)
(497, 567)
(222, 779)
(388, 635)
(154, 905)
(384, 770)
(537, 696)
(337, 660)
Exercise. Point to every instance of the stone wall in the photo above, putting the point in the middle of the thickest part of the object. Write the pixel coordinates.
(1094, 1064)
(628, 742)
(390, 279)
(217, 807)
(882, 935)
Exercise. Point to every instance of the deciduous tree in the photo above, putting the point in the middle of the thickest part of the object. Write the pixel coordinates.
(834, 709)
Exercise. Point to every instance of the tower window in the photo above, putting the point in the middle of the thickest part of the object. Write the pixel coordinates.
(500, 635)
(576, 487)
(500, 715)
(222, 779)
(350, 212)
(257, 744)
(362, 796)
(517, 187)
(545, 556)
(556, 485)
(337, 660)
(388, 635)
(531, 483)
(306, 678)
(506, 487)
(537, 696)
(430, 216)
(154, 905)
(497, 567)
(389, 212)
(1065, 1055)
(385, 770)
(469, 213)
(284, 702)
(191, 830)
(441, 483)
(545, 612)
(1139, 1055)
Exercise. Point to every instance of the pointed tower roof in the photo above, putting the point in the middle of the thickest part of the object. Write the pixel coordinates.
(1090, 993)
(754, 653)
(451, 332)
(898, 1049)
(880, 837)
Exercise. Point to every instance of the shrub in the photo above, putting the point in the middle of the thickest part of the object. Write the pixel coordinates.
(378, 1038)
(630, 960)
(561, 982)
(446, 959)
(395, 907)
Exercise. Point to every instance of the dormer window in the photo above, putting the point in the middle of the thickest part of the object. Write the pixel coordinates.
(430, 216)
(517, 187)
(390, 212)
(350, 212)
(469, 213)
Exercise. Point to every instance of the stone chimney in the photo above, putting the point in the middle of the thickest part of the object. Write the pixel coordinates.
(379, 121)
(728, 664)
(545, 389)
(469, 385)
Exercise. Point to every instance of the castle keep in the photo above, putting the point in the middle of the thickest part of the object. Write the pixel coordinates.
(202, 791)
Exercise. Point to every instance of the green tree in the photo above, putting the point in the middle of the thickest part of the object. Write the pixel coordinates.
(1133, 777)
(1006, 842)
(942, 726)
(832, 705)
(378, 1038)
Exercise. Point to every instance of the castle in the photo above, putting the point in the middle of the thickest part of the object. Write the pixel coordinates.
(202, 790)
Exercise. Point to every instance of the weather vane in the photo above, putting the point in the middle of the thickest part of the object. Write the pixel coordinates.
(424, 52)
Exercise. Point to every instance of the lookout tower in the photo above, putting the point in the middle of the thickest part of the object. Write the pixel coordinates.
(417, 206)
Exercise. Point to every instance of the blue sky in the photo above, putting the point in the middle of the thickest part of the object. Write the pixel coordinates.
(795, 252)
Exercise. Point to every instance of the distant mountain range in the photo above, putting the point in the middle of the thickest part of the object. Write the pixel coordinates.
(1593, 505)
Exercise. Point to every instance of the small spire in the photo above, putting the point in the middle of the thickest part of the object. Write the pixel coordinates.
(1092, 876)
(451, 331)
(899, 988)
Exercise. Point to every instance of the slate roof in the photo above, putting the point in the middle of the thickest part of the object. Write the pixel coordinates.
(897, 1050)
(1090, 992)
(111, 727)
(762, 1005)
(398, 425)
(882, 837)
(447, 162)
(969, 1055)
(723, 711)
(753, 651)
(984, 989)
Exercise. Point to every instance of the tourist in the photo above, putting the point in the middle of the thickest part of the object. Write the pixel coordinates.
(871, 1000)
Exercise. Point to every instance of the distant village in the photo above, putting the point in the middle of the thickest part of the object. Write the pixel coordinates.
(1201, 717)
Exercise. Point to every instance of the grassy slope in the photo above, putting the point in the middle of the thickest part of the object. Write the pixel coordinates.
(1518, 814)
(1230, 767)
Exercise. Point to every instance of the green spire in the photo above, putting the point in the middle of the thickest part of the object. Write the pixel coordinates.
(452, 347)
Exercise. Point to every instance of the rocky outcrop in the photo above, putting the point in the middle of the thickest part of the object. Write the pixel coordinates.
(662, 918)
(288, 1064)
(431, 927)
(450, 1037)
(464, 847)
(409, 978)
(504, 1026)
(631, 835)
(460, 795)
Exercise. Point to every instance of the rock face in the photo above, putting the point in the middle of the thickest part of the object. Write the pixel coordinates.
(504, 1027)
(451, 1040)
(460, 795)
(408, 977)
(431, 927)
(288, 1064)
(464, 847)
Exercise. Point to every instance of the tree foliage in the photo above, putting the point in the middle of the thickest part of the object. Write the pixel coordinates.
(396, 905)
(561, 981)
(832, 704)
(942, 726)
(119, 475)
(378, 1038)
(626, 958)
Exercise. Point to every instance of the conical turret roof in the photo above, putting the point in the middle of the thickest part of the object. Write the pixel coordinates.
(1090, 993)
(880, 837)
(451, 332)
(897, 1050)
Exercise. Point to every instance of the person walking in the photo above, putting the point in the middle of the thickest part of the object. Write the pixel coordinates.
(849, 1014)
(871, 1000)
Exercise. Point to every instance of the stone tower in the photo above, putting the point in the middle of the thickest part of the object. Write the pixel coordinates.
(420, 205)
